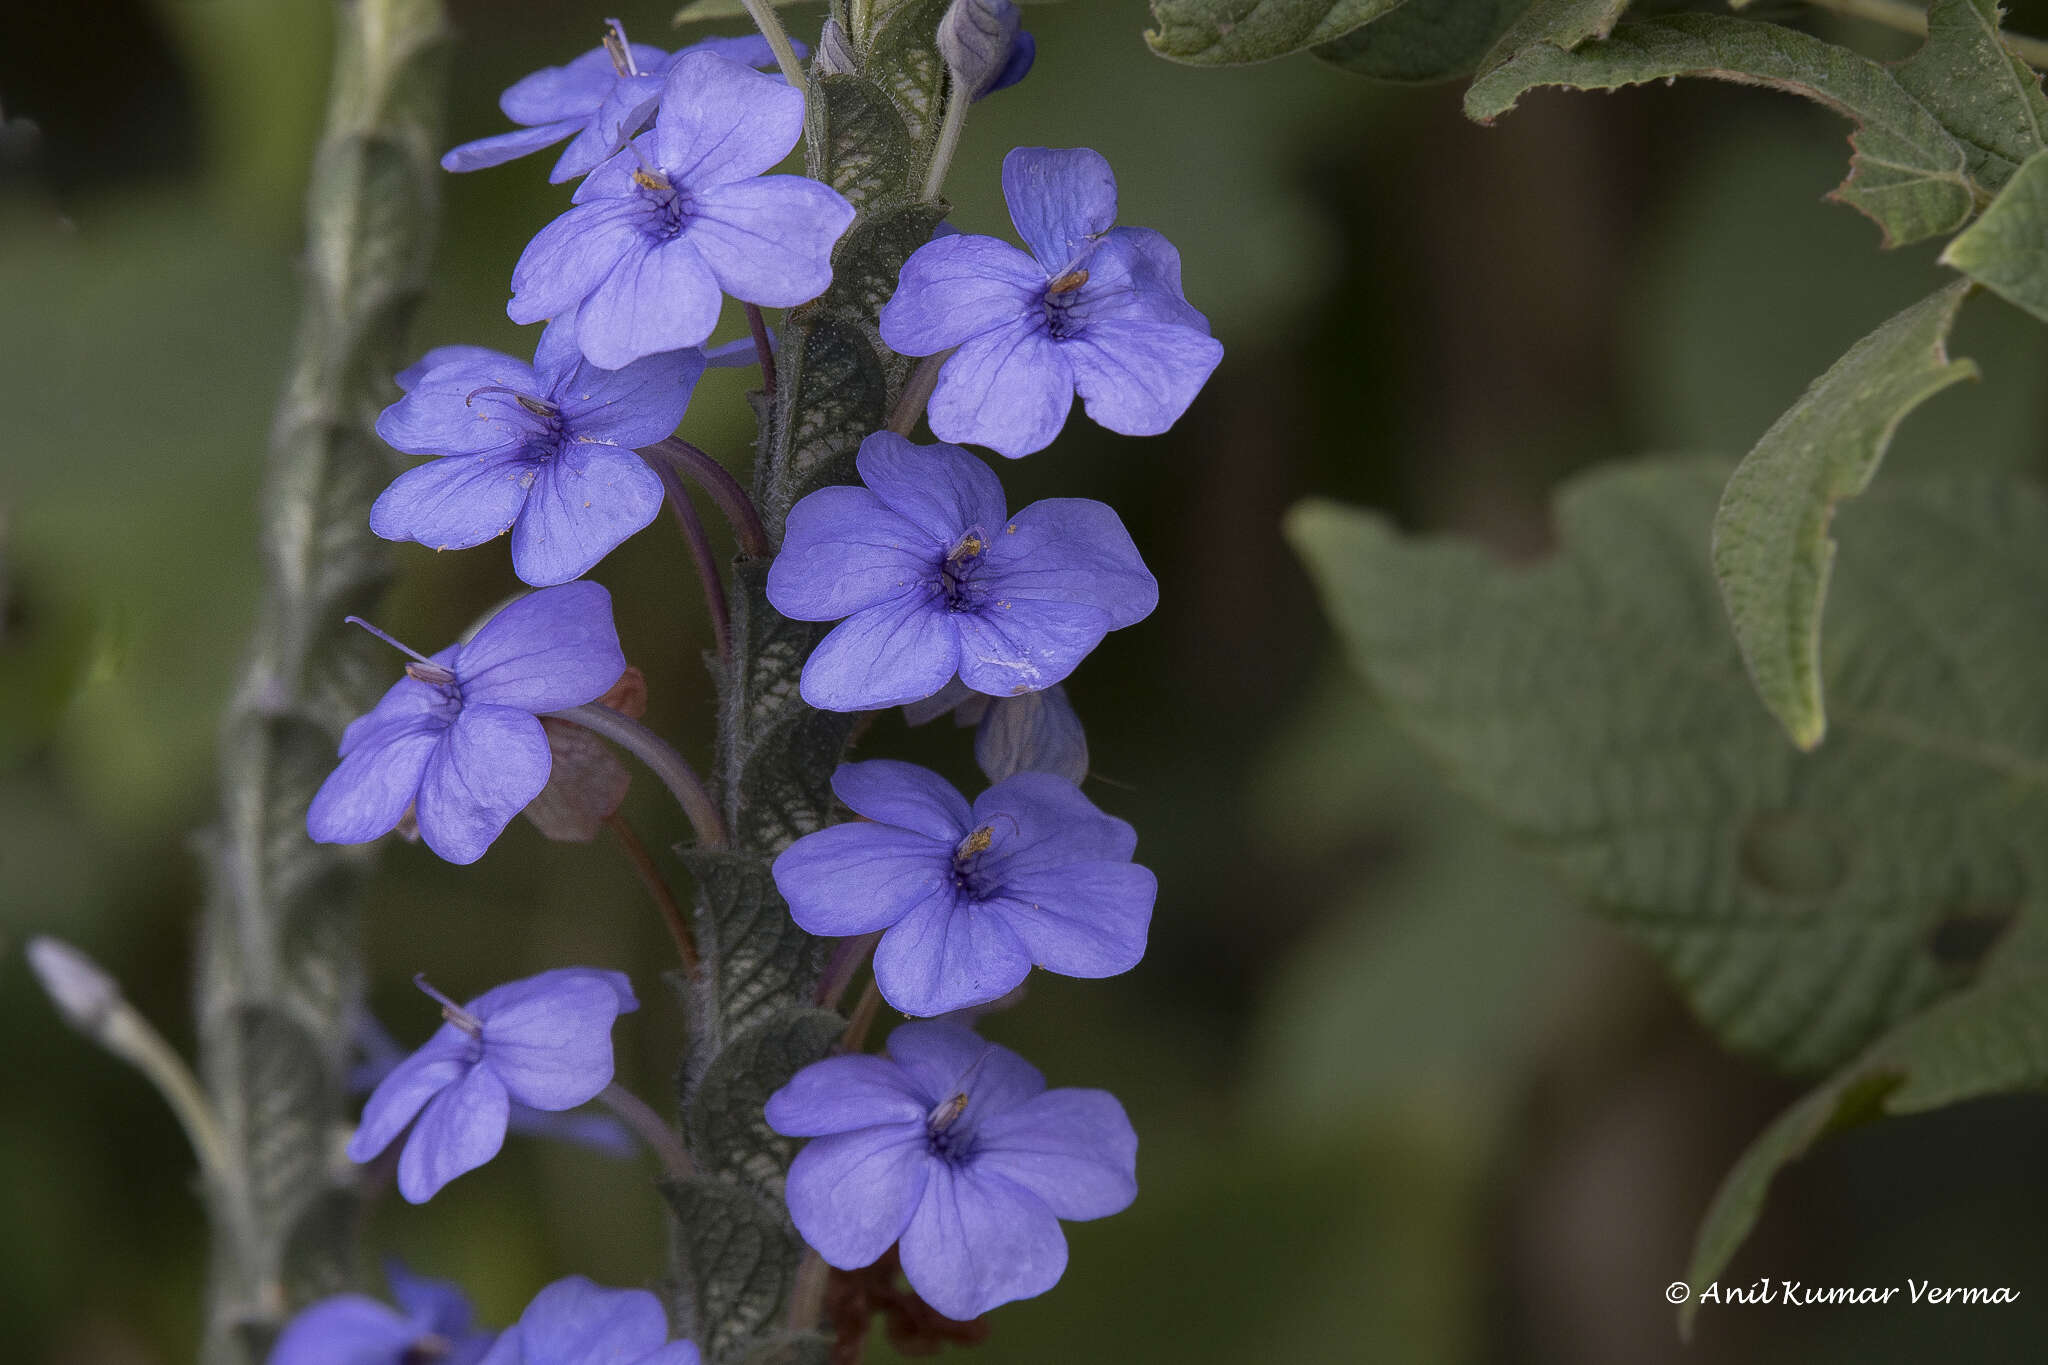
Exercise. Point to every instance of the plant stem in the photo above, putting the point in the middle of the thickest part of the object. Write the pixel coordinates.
(1910, 18)
(855, 1039)
(762, 348)
(847, 956)
(664, 762)
(660, 1138)
(657, 889)
(917, 391)
(713, 477)
(130, 1037)
(770, 23)
(692, 527)
(957, 100)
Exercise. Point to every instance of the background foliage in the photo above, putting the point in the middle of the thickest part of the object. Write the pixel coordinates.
(1398, 1099)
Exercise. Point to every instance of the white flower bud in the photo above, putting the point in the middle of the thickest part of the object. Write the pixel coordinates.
(83, 993)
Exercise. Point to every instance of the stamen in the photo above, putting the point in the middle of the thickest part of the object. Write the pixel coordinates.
(401, 648)
(451, 1011)
(974, 843)
(647, 178)
(1068, 283)
(970, 546)
(539, 407)
(434, 675)
(944, 1116)
(620, 51)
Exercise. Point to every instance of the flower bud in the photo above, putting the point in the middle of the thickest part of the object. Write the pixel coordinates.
(82, 992)
(982, 41)
(835, 52)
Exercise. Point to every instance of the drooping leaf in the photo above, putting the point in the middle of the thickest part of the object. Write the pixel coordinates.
(1905, 172)
(1987, 98)
(1238, 32)
(1771, 545)
(1423, 40)
(2006, 250)
(1989, 1040)
(1562, 24)
(1597, 703)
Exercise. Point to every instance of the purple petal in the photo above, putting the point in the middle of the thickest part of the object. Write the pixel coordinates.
(460, 1129)
(853, 1194)
(1072, 550)
(572, 90)
(624, 111)
(570, 257)
(634, 406)
(1060, 198)
(514, 993)
(1074, 1149)
(944, 1058)
(493, 761)
(957, 287)
(659, 297)
(1037, 732)
(367, 795)
(721, 121)
(978, 1241)
(748, 50)
(1137, 376)
(843, 551)
(584, 504)
(438, 1305)
(856, 878)
(905, 795)
(411, 375)
(548, 651)
(500, 148)
(1084, 919)
(406, 705)
(549, 1039)
(885, 655)
(1008, 389)
(1023, 52)
(347, 1329)
(840, 1094)
(1045, 823)
(443, 413)
(576, 1322)
(947, 954)
(1015, 646)
(441, 1061)
(1135, 273)
(455, 503)
(769, 241)
(944, 490)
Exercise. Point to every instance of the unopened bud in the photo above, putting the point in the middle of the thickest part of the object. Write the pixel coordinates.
(977, 39)
(835, 52)
(83, 993)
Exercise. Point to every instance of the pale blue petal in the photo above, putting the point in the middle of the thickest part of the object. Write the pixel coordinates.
(948, 954)
(584, 504)
(548, 651)
(1074, 1149)
(903, 794)
(944, 490)
(1060, 198)
(856, 878)
(1138, 376)
(841, 1094)
(493, 761)
(853, 1194)
(461, 1128)
(958, 287)
(1008, 389)
(978, 1241)
(886, 655)
(769, 240)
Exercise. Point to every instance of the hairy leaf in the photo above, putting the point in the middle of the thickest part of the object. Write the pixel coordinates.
(1562, 24)
(2006, 250)
(1771, 545)
(1989, 1040)
(1237, 32)
(739, 1256)
(1905, 171)
(1423, 40)
(1596, 702)
(728, 1134)
(1987, 98)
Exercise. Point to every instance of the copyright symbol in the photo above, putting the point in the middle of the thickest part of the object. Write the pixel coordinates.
(1678, 1291)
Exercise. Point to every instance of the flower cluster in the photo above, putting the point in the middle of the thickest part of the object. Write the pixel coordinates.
(946, 1152)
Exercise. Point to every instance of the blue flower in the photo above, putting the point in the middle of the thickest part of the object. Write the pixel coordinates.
(985, 45)
(577, 1322)
(680, 215)
(1094, 309)
(1037, 732)
(545, 451)
(433, 1322)
(600, 99)
(969, 899)
(954, 1147)
(458, 738)
(934, 578)
(545, 1042)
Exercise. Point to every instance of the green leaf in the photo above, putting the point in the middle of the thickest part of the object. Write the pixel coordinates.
(738, 1257)
(728, 1134)
(1987, 98)
(1805, 903)
(1905, 171)
(1238, 32)
(2006, 250)
(1562, 24)
(1771, 546)
(1423, 40)
(1989, 1040)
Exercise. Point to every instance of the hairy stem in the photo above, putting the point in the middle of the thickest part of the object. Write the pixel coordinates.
(770, 23)
(957, 100)
(917, 392)
(279, 967)
(763, 349)
(1910, 18)
(659, 1137)
(713, 477)
(663, 761)
(657, 889)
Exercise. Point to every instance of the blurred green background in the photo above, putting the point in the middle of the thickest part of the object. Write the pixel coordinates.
(1399, 1099)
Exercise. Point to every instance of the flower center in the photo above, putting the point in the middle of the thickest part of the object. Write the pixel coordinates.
(968, 875)
(957, 572)
(672, 208)
(1062, 316)
(426, 1350)
(942, 1138)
